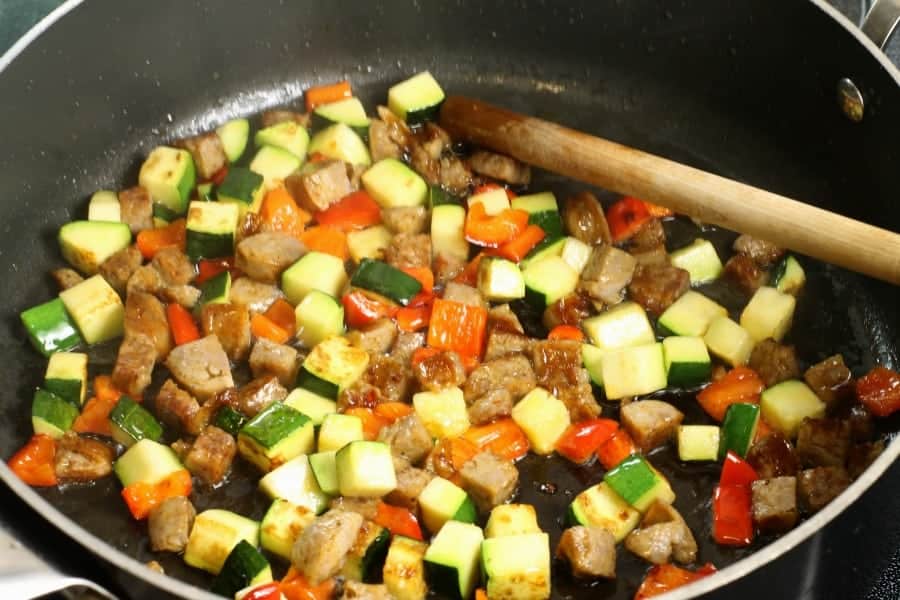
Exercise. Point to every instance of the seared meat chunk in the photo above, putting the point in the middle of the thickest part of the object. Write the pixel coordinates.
(655, 255)
(662, 537)
(230, 323)
(265, 255)
(454, 175)
(656, 287)
(211, 454)
(250, 224)
(145, 279)
(513, 373)
(380, 143)
(174, 266)
(354, 590)
(502, 318)
(136, 208)
(145, 315)
(118, 268)
(134, 365)
(774, 504)
(409, 250)
(375, 338)
(185, 295)
(281, 115)
(389, 376)
(501, 343)
(817, 487)
(320, 551)
(320, 188)
(169, 524)
(405, 344)
(208, 153)
(252, 398)
(447, 268)
(408, 438)
(773, 456)
(176, 407)
(489, 480)
(493, 405)
(66, 278)
(606, 274)
(410, 483)
(650, 235)
(861, 456)
(498, 166)
(862, 426)
(279, 360)
(253, 295)
(742, 270)
(557, 365)
(367, 507)
(440, 371)
(82, 459)
(568, 310)
(585, 220)
(823, 442)
(774, 362)
(650, 423)
(433, 139)
(762, 252)
(590, 551)
(464, 294)
(411, 220)
(829, 379)
(201, 367)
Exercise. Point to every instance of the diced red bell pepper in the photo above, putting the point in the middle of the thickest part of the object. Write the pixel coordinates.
(265, 591)
(879, 391)
(208, 268)
(94, 417)
(737, 471)
(566, 332)
(328, 240)
(262, 326)
(398, 520)
(519, 247)
(372, 422)
(469, 275)
(502, 437)
(151, 241)
(182, 324)
(414, 318)
(450, 454)
(488, 187)
(581, 440)
(35, 463)
(356, 210)
(732, 520)
(665, 578)
(739, 385)
(458, 327)
(617, 448)
(295, 586)
(482, 229)
(423, 275)
(142, 497)
(362, 308)
(391, 411)
(282, 314)
(219, 176)
(326, 94)
(626, 217)
(279, 212)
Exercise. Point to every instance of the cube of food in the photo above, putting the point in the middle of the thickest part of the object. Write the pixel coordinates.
(774, 503)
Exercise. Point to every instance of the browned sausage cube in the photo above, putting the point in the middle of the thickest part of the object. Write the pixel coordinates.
(446, 268)
(406, 343)
(134, 365)
(439, 371)
(174, 266)
(409, 250)
(320, 188)
(66, 278)
(169, 524)
(656, 287)
(280, 115)
(211, 455)
(201, 367)
(513, 372)
(774, 503)
(464, 294)
(408, 438)
(655, 255)
(606, 274)
(145, 315)
(118, 268)
(231, 324)
(498, 166)
(502, 343)
(650, 423)
(367, 507)
(590, 551)
(585, 220)
(388, 375)
(320, 551)
(823, 442)
(253, 397)
(279, 360)
(178, 408)
(773, 456)
(762, 252)
(663, 536)
(489, 480)
(405, 219)
(650, 235)
(410, 483)
(144, 279)
(774, 362)
(375, 338)
(817, 487)
(493, 405)
(265, 255)
(354, 590)
(82, 459)
(254, 295)
(136, 208)
(568, 310)
(829, 379)
(741, 269)
(208, 153)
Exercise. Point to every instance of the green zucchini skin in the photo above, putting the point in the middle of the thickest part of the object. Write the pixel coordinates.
(381, 278)
(49, 327)
(243, 565)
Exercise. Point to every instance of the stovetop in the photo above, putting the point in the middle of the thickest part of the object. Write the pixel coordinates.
(845, 561)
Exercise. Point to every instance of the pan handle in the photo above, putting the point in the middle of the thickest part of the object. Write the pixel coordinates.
(881, 20)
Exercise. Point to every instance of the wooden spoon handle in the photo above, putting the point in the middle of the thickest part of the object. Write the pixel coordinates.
(710, 198)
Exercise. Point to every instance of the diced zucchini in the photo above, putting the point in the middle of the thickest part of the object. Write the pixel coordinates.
(442, 501)
(314, 271)
(234, 135)
(340, 142)
(49, 327)
(282, 525)
(386, 280)
(316, 385)
(698, 442)
(205, 193)
(517, 566)
(738, 429)
(66, 376)
(417, 99)
(699, 259)
(549, 246)
(335, 362)
(168, 175)
(370, 242)
(785, 405)
(86, 244)
(448, 231)
(214, 535)
(691, 314)
(788, 277)
(242, 187)
(324, 468)
(601, 506)
(438, 196)
(275, 436)
(130, 423)
(163, 215)
(543, 418)
(621, 326)
(146, 462)
(494, 201)
(294, 481)
(404, 569)
(687, 360)
(215, 290)
(288, 135)
(729, 341)
(576, 253)
(592, 359)
(511, 519)
(549, 279)
(349, 111)
(543, 211)
(230, 420)
(104, 206)
(391, 184)
(274, 164)
(96, 309)
(500, 280)
(51, 415)
(638, 483)
(211, 229)
(365, 469)
(634, 371)
(244, 566)
(339, 430)
(452, 560)
(312, 405)
(768, 314)
(443, 413)
(319, 316)
(366, 556)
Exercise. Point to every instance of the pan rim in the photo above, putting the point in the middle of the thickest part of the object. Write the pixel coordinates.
(733, 572)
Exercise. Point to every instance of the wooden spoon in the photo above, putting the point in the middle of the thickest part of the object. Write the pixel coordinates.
(710, 198)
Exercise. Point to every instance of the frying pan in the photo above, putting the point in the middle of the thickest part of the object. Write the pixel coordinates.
(739, 87)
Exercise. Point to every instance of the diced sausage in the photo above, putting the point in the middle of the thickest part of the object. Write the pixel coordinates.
(144, 279)
(557, 365)
(440, 371)
(265, 255)
(433, 139)
(662, 537)
(447, 268)
(201, 366)
(862, 426)
(253, 295)
(320, 551)
(650, 423)
(409, 250)
(489, 480)
(656, 287)
(280, 115)
(502, 318)
(395, 132)
(584, 219)
(774, 503)
(176, 407)
(118, 268)
(774, 362)
(762, 252)
(568, 310)
(502, 343)
(454, 175)
(408, 438)
(174, 266)
(748, 275)
(410, 483)
(405, 219)
(464, 294)
(513, 372)
(253, 397)
(82, 459)
(145, 315)
(406, 343)
(367, 507)
(817, 487)
(136, 208)
(493, 405)
(861, 456)
(773, 456)
(650, 235)
(606, 274)
(380, 143)
(424, 164)
(230, 323)
(169, 524)
(823, 442)
(375, 338)
(498, 166)
(66, 278)
(134, 365)
(208, 153)
(388, 375)
(251, 224)
(279, 360)
(354, 590)
(590, 551)
(319, 189)
(211, 455)
(185, 295)
(655, 255)
(829, 379)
